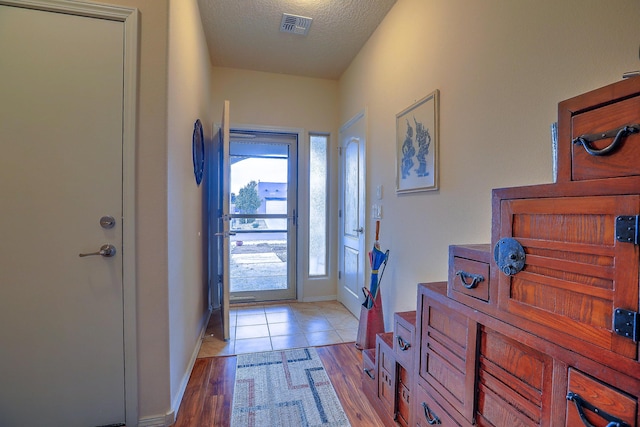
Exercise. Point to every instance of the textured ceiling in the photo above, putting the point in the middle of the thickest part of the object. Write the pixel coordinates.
(246, 34)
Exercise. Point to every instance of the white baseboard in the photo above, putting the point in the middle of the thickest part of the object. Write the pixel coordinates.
(170, 417)
(175, 405)
(158, 421)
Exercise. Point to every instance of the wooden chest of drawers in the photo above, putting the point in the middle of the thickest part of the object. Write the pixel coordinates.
(541, 327)
(517, 377)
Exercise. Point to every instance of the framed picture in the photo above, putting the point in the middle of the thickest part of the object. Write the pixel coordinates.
(417, 146)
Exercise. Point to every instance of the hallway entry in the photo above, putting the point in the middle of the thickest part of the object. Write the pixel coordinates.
(261, 193)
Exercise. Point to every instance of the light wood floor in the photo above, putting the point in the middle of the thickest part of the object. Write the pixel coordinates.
(208, 398)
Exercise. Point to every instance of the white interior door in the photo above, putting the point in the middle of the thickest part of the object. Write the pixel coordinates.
(353, 256)
(61, 138)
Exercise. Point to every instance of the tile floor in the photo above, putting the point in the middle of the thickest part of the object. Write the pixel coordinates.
(278, 326)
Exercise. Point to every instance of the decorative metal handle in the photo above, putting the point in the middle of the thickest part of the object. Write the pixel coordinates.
(581, 403)
(359, 230)
(509, 255)
(616, 134)
(107, 251)
(430, 416)
(475, 279)
(368, 372)
(404, 345)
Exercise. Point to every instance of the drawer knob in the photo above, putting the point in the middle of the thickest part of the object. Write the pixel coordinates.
(429, 415)
(617, 135)
(582, 404)
(470, 280)
(509, 255)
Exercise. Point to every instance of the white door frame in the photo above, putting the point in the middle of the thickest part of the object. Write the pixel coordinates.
(129, 18)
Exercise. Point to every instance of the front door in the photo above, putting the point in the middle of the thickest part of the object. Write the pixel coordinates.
(262, 199)
(352, 214)
(62, 360)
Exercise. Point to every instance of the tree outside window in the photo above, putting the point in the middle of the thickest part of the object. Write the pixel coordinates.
(248, 201)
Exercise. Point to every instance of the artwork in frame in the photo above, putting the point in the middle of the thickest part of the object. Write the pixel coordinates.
(417, 146)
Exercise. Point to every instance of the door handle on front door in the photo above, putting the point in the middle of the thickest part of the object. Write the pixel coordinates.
(107, 250)
(359, 230)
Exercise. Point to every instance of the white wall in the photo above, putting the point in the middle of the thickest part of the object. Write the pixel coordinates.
(501, 68)
(151, 209)
(267, 99)
(188, 100)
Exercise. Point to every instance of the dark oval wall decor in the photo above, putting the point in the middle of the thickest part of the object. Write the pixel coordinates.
(197, 148)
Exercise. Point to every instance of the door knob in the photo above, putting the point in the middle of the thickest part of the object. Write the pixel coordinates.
(107, 250)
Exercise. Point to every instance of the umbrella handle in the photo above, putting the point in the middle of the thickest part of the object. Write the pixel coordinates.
(377, 229)
(367, 294)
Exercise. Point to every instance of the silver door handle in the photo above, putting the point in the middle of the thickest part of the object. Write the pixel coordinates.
(226, 234)
(107, 250)
(359, 230)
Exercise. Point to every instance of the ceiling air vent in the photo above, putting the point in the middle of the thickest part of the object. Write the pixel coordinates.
(295, 24)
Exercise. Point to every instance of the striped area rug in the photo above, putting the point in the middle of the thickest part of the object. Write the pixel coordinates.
(284, 388)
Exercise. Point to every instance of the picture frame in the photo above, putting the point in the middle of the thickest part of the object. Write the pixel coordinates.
(417, 141)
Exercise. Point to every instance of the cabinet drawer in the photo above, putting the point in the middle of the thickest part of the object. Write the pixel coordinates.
(369, 374)
(576, 272)
(587, 396)
(514, 382)
(448, 353)
(403, 344)
(429, 412)
(592, 115)
(468, 276)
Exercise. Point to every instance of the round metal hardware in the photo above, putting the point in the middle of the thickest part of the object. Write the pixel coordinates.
(509, 255)
(107, 222)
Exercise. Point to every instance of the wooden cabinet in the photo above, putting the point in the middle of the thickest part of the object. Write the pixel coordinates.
(387, 378)
(518, 378)
(541, 327)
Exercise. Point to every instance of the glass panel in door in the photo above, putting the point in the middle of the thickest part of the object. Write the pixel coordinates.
(262, 211)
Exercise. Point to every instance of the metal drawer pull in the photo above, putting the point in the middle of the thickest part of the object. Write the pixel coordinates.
(430, 416)
(616, 134)
(369, 374)
(581, 403)
(475, 279)
(404, 345)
